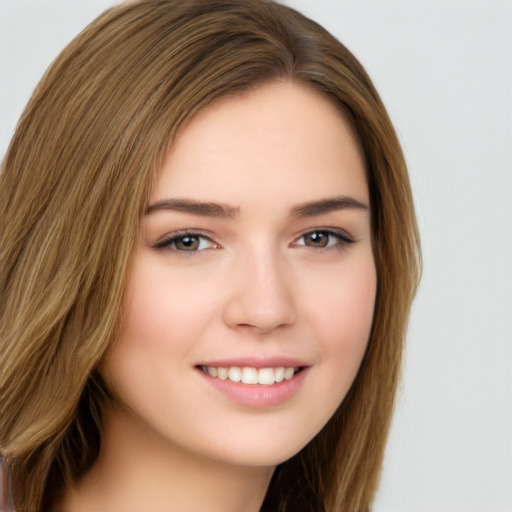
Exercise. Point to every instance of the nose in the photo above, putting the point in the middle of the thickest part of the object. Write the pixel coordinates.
(260, 295)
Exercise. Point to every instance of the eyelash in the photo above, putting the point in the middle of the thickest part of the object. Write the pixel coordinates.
(341, 239)
(168, 241)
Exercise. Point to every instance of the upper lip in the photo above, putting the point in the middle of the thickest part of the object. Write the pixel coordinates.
(274, 361)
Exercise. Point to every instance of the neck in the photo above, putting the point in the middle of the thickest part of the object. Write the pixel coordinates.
(139, 470)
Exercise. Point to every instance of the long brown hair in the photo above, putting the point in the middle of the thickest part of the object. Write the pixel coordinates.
(75, 183)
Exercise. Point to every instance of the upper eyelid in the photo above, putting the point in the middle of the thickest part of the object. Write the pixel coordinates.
(170, 237)
(342, 233)
(187, 231)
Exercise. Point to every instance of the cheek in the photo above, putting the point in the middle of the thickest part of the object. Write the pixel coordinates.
(340, 316)
(344, 322)
(158, 333)
(163, 308)
(344, 301)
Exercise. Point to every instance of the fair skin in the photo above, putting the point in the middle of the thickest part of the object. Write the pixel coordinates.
(256, 253)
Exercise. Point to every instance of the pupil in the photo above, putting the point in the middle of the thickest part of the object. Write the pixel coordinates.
(318, 239)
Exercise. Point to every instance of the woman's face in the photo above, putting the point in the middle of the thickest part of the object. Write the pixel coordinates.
(256, 264)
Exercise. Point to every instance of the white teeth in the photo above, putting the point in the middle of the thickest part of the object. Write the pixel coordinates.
(222, 373)
(279, 374)
(250, 375)
(235, 374)
(289, 373)
(266, 376)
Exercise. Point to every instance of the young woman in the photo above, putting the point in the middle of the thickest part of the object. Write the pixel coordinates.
(209, 253)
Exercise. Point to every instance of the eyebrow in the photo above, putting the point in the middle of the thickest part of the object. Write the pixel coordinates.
(205, 209)
(221, 210)
(323, 206)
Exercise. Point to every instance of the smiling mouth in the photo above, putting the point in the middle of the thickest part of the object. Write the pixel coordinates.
(250, 375)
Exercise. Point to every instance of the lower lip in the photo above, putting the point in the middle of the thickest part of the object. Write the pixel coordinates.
(257, 395)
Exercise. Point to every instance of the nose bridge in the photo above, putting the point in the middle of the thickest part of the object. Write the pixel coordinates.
(261, 293)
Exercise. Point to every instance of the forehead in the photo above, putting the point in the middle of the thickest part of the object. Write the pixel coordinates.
(282, 140)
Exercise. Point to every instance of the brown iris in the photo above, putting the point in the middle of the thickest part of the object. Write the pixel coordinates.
(317, 239)
(187, 243)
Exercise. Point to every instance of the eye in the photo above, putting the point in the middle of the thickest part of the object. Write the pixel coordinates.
(323, 239)
(185, 242)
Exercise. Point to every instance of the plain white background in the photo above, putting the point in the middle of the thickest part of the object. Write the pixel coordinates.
(443, 69)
